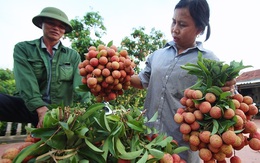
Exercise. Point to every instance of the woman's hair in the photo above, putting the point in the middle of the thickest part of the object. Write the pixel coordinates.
(199, 11)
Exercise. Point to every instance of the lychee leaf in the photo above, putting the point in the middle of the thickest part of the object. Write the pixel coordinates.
(164, 142)
(156, 153)
(92, 109)
(180, 149)
(110, 43)
(154, 118)
(82, 88)
(27, 151)
(144, 158)
(93, 147)
(215, 127)
(131, 155)
(105, 148)
(224, 95)
(135, 125)
(58, 141)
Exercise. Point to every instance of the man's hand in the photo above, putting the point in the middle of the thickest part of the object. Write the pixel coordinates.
(41, 112)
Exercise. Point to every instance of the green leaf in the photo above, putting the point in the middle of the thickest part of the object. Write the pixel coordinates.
(91, 155)
(180, 149)
(143, 158)
(135, 125)
(156, 153)
(92, 109)
(43, 132)
(82, 131)
(215, 127)
(120, 147)
(238, 131)
(105, 148)
(131, 155)
(203, 68)
(224, 95)
(27, 151)
(58, 141)
(84, 161)
(66, 129)
(103, 121)
(49, 121)
(93, 147)
(82, 88)
(111, 145)
(113, 117)
(117, 131)
(225, 124)
(154, 118)
(197, 85)
(110, 43)
(164, 142)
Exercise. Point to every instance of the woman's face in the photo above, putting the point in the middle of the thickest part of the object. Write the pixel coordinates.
(183, 29)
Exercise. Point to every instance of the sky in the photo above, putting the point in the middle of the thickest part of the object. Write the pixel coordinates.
(234, 27)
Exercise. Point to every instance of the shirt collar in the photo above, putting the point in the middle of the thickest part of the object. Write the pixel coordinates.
(56, 46)
(199, 45)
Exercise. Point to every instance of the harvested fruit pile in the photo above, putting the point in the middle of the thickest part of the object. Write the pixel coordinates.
(106, 71)
(14, 149)
(89, 135)
(214, 122)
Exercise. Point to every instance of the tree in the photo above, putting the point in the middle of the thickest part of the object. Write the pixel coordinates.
(139, 45)
(86, 32)
(7, 83)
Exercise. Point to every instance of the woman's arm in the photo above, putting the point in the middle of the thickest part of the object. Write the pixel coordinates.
(136, 82)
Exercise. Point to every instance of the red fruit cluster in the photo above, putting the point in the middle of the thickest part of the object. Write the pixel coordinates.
(200, 108)
(32, 139)
(167, 157)
(106, 71)
(174, 158)
(11, 152)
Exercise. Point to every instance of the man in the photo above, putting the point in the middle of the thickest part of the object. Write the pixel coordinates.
(45, 71)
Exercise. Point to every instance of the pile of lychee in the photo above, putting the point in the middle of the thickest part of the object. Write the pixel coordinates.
(106, 71)
(14, 149)
(217, 126)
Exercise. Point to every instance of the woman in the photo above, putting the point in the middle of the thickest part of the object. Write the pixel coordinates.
(163, 77)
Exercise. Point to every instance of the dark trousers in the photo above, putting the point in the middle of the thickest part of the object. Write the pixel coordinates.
(13, 109)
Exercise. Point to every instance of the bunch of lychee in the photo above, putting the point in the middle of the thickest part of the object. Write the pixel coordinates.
(11, 152)
(167, 157)
(106, 71)
(217, 126)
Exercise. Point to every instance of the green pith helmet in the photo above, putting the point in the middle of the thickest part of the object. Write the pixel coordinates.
(54, 13)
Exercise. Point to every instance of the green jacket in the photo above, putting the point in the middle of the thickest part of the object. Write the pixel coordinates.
(32, 70)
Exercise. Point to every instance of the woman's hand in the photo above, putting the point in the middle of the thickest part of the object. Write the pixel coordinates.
(136, 82)
(229, 86)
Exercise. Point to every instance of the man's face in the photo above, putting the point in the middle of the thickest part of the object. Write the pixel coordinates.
(53, 29)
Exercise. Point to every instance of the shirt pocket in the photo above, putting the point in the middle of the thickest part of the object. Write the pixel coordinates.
(66, 72)
(37, 67)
